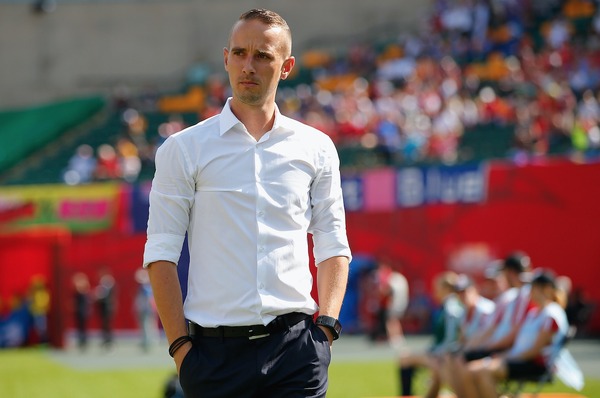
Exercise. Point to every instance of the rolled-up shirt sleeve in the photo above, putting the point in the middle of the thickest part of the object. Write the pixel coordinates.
(328, 222)
(171, 198)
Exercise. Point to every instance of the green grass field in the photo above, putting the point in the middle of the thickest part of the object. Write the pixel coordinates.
(32, 373)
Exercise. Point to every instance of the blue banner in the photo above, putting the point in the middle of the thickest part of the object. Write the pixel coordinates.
(417, 186)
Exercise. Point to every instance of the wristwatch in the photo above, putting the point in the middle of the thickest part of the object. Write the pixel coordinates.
(330, 323)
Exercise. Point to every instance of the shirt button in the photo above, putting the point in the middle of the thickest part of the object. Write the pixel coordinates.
(261, 213)
(261, 249)
(261, 286)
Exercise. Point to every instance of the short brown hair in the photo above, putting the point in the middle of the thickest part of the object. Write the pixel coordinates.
(269, 18)
(447, 279)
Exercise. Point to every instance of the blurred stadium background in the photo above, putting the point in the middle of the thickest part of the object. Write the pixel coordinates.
(466, 130)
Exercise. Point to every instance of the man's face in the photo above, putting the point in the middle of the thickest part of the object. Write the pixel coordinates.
(257, 58)
(511, 276)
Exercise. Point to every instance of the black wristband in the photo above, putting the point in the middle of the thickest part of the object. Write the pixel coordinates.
(177, 343)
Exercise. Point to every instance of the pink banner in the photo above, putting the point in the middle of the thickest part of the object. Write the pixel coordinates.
(379, 190)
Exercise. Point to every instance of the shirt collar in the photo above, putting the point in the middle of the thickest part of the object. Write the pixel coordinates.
(228, 120)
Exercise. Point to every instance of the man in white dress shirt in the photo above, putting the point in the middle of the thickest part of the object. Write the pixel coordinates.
(247, 186)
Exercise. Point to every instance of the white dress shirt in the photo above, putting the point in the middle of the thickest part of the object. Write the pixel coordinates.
(247, 207)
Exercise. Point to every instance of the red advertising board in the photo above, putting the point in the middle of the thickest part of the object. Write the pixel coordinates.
(549, 210)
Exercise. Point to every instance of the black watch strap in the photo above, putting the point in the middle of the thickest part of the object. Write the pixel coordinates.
(330, 323)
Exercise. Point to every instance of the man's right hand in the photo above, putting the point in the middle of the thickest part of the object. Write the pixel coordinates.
(180, 354)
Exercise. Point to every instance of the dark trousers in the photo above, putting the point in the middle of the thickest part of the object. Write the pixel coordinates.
(290, 364)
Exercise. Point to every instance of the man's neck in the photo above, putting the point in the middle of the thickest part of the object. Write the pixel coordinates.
(258, 120)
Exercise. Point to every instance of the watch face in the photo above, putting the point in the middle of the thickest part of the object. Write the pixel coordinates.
(333, 324)
(337, 326)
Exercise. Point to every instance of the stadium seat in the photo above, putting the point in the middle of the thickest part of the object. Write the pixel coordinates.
(518, 384)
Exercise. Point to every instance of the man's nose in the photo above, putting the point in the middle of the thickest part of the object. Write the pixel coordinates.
(248, 66)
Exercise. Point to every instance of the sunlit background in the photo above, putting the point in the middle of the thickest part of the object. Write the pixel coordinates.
(466, 130)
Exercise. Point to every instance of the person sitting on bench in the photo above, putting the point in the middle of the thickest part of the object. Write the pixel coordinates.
(539, 336)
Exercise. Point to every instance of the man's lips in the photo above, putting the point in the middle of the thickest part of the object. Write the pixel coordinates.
(248, 83)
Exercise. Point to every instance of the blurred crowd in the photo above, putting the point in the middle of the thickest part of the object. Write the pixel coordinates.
(532, 66)
(528, 64)
(123, 160)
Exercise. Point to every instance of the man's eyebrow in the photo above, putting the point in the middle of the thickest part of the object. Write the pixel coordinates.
(260, 51)
(264, 52)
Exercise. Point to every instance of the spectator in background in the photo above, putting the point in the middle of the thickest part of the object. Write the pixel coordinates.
(493, 283)
(564, 285)
(382, 296)
(145, 310)
(511, 309)
(478, 309)
(478, 316)
(136, 125)
(81, 166)
(445, 335)
(558, 32)
(130, 163)
(105, 296)
(174, 125)
(108, 166)
(15, 326)
(397, 309)
(579, 308)
(392, 301)
(39, 306)
(82, 300)
(420, 308)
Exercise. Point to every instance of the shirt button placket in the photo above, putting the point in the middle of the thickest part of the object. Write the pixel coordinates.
(259, 215)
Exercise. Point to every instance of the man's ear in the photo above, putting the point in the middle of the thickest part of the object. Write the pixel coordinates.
(287, 67)
(225, 55)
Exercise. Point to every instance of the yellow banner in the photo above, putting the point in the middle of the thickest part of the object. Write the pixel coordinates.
(80, 208)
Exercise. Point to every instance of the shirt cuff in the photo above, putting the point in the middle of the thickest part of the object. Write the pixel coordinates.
(330, 245)
(162, 247)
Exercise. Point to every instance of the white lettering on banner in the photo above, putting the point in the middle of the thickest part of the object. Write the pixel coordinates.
(458, 184)
(411, 187)
(352, 189)
(473, 186)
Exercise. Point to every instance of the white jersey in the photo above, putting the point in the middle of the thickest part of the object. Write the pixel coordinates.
(478, 318)
(512, 313)
(399, 287)
(549, 318)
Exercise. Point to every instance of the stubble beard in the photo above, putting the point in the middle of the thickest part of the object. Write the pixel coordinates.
(250, 98)
(256, 96)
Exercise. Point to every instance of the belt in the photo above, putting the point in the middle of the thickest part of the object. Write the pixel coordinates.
(277, 325)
